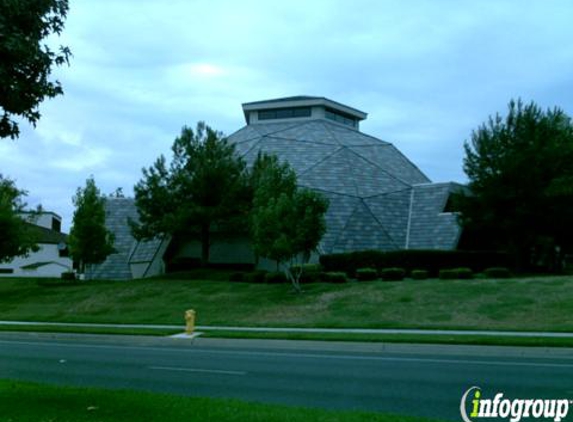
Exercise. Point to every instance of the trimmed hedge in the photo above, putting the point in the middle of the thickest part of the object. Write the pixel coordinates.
(430, 260)
(420, 274)
(366, 274)
(335, 277)
(392, 274)
(497, 272)
(456, 274)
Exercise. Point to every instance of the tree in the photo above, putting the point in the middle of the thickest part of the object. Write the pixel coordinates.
(521, 170)
(26, 63)
(287, 222)
(90, 242)
(15, 237)
(203, 188)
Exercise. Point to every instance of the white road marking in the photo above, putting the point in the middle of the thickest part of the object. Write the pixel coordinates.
(303, 355)
(206, 371)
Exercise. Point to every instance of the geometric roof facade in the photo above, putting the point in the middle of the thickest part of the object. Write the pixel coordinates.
(378, 198)
(128, 251)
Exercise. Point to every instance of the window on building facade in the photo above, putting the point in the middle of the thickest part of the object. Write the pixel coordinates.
(284, 113)
(56, 225)
(340, 118)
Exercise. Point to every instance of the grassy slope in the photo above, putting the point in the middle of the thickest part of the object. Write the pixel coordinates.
(544, 304)
(21, 401)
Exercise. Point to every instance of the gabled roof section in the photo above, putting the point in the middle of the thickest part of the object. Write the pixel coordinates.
(37, 265)
(127, 249)
(46, 236)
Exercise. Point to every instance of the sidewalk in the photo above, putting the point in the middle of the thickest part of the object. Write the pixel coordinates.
(532, 334)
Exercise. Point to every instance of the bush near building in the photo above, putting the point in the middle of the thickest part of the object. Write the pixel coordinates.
(419, 274)
(430, 260)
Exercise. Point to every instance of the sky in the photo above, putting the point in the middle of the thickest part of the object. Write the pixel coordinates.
(426, 72)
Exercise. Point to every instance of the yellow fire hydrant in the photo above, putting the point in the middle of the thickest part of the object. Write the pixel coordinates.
(189, 321)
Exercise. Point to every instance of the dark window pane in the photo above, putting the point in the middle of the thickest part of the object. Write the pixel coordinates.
(267, 114)
(340, 118)
(56, 225)
(301, 112)
(284, 113)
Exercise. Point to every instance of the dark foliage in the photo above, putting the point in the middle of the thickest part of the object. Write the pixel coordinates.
(26, 61)
(430, 260)
(520, 169)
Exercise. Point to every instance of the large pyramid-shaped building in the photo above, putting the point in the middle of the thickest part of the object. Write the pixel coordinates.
(378, 198)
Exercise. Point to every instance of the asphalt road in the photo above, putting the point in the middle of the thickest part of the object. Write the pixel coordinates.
(402, 379)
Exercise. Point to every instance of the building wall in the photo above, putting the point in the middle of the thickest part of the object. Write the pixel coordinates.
(224, 250)
(232, 251)
(46, 253)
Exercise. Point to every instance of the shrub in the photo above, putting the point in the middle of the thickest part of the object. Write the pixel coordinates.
(366, 274)
(237, 277)
(497, 272)
(68, 275)
(335, 277)
(275, 277)
(429, 260)
(465, 273)
(393, 274)
(420, 274)
(257, 276)
(456, 274)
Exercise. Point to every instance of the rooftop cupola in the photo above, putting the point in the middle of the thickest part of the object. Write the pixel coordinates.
(302, 108)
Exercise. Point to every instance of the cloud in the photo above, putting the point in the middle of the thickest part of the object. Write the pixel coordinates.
(426, 72)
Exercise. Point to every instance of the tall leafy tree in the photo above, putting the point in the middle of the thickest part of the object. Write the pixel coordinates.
(203, 188)
(520, 169)
(26, 61)
(15, 237)
(90, 241)
(287, 222)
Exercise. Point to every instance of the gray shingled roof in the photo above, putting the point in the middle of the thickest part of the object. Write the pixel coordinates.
(378, 198)
(368, 181)
(44, 235)
(430, 227)
(128, 250)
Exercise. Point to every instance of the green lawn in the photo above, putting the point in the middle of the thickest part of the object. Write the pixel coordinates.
(22, 402)
(541, 304)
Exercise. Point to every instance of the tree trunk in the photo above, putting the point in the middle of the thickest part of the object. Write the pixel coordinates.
(205, 244)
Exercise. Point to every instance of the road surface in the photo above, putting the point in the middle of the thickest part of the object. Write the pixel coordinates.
(411, 380)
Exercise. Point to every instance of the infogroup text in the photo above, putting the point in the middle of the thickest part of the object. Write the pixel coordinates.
(513, 409)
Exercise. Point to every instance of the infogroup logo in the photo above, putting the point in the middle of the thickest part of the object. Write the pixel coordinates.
(514, 409)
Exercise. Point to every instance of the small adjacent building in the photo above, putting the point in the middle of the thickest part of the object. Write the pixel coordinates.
(51, 259)
(378, 198)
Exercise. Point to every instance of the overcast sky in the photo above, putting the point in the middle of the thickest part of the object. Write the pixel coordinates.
(426, 72)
